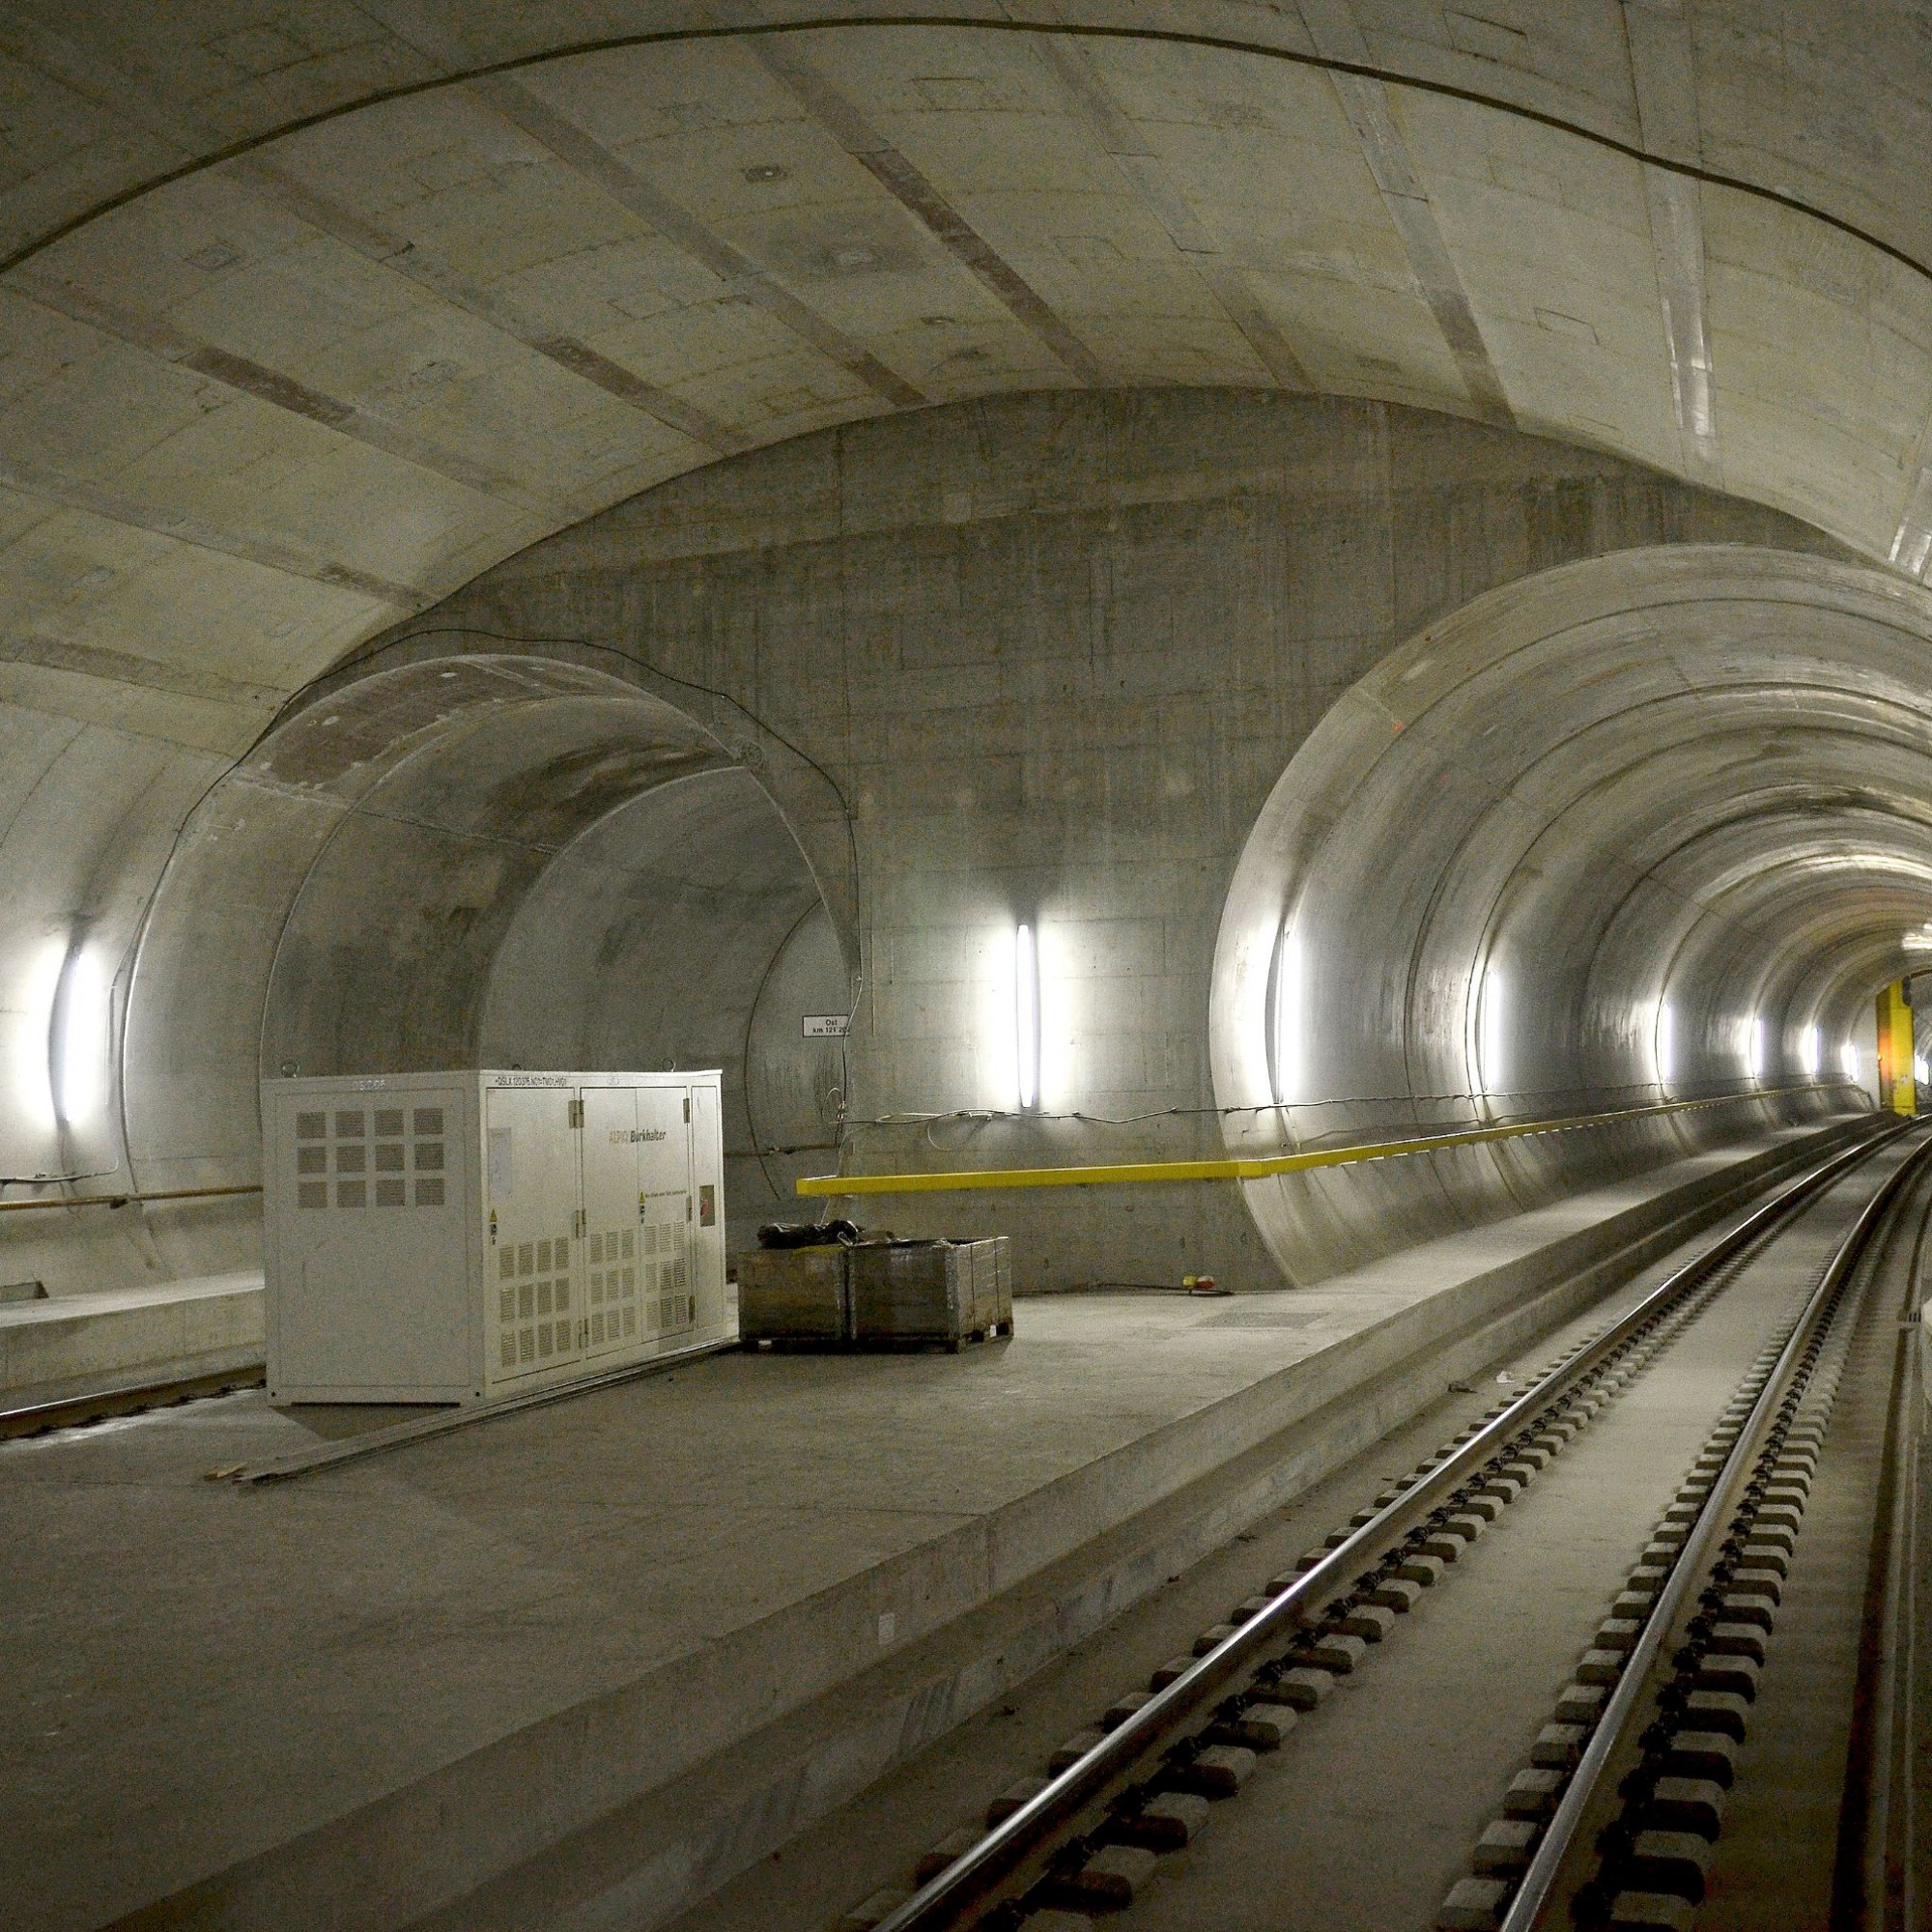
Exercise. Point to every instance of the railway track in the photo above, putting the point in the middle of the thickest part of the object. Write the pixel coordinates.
(1624, 1653)
(104, 1405)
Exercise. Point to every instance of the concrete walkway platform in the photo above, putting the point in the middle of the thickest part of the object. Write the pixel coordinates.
(576, 1666)
(77, 1344)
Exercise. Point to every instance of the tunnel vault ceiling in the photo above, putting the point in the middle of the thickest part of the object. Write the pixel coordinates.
(314, 313)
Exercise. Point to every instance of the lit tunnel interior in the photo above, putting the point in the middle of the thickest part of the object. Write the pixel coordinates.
(1168, 587)
(528, 550)
(1642, 830)
(511, 863)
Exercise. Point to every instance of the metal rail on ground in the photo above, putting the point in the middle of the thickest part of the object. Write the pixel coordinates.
(1630, 1699)
(963, 1883)
(1877, 1884)
(418, 1428)
(73, 1411)
(135, 1399)
(1896, 1853)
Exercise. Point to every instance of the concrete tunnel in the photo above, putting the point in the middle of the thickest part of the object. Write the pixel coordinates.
(1215, 584)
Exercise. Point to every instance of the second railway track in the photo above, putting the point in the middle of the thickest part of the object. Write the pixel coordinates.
(1460, 1685)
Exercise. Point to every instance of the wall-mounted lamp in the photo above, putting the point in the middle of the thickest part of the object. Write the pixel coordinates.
(1848, 1059)
(1489, 1033)
(36, 996)
(77, 1039)
(1026, 1017)
(1808, 1051)
(1754, 1049)
(1287, 1018)
(1665, 1045)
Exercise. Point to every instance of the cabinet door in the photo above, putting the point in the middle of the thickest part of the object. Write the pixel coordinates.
(707, 1179)
(531, 1161)
(664, 1206)
(614, 1302)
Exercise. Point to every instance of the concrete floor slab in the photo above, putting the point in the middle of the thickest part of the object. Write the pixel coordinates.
(356, 1699)
(75, 1344)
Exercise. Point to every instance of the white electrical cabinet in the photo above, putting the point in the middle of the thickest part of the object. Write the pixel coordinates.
(464, 1236)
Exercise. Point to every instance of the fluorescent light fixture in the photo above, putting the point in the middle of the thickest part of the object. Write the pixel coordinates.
(1026, 1016)
(33, 1070)
(1809, 1050)
(1918, 939)
(1848, 1059)
(1287, 1018)
(1665, 1045)
(1919, 1071)
(1754, 1048)
(77, 1041)
(1489, 1032)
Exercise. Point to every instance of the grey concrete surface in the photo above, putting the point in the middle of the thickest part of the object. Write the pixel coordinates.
(75, 1344)
(307, 325)
(334, 1700)
(386, 324)
(835, 618)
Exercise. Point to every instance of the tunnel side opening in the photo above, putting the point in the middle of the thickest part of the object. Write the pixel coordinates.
(519, 863)
(1640, 831)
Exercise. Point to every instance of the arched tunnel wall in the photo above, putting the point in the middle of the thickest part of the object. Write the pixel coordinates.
(452, 863)
(686, 930)
(1598, 838)
(1041, 658)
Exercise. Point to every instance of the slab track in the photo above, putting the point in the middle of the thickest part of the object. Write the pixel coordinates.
(1624, 1652)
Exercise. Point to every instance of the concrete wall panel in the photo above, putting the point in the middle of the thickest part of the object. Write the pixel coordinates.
(1061, 688)
(1125, 642)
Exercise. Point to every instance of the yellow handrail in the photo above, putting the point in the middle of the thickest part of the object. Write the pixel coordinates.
(1257, 1167)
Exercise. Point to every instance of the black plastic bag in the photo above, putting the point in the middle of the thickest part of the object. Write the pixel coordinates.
(807, 1234)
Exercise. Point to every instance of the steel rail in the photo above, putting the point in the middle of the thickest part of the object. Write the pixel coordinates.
(71, 1411)
(962, 1882)
(1686, 1575)
(1872, 1881)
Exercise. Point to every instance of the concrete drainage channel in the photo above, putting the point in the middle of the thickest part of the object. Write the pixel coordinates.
(1117, 1800)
